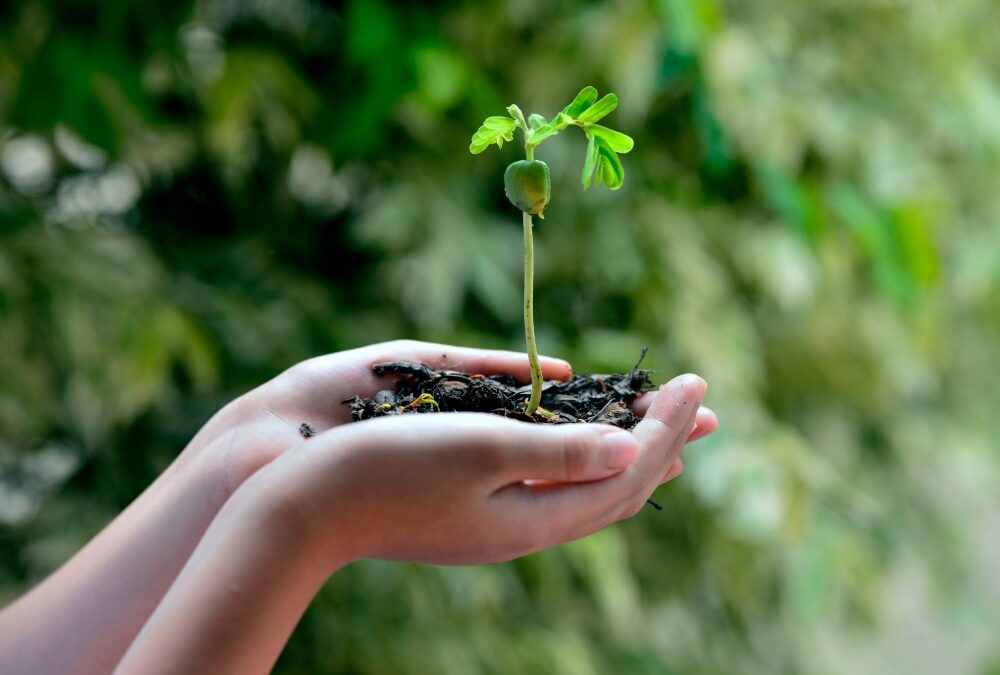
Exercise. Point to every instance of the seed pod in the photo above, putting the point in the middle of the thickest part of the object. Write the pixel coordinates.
(527, 185)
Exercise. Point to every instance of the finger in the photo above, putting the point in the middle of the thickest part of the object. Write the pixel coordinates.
(563, 508)
(667, 424)
(707, 421)
(676, 469)
(496, 451)
(608, 517)
(565, 453)
(641, 403)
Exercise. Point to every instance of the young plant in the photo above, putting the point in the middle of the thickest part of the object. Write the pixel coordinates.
(528, 185)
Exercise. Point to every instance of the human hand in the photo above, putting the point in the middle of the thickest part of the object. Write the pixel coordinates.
(464, 488)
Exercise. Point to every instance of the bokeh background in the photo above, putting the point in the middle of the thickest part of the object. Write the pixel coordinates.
(196, 195)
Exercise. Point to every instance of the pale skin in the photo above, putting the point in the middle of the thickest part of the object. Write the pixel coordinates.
(211, 567)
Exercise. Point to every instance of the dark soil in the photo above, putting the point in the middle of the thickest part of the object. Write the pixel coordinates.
(585, 398)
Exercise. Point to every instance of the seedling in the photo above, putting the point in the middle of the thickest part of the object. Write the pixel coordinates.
(528, 185)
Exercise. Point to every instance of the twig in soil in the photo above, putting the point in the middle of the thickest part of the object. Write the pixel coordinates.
(642, 357)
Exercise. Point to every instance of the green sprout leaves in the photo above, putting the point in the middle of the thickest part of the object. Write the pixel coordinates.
(496, 129)
(601, 164)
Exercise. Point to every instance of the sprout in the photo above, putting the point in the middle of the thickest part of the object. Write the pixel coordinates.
(528, 186)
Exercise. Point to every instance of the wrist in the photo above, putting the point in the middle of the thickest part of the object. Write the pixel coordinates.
(231, 447)
(315, 530)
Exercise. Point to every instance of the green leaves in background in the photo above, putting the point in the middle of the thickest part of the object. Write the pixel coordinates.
(810, 232)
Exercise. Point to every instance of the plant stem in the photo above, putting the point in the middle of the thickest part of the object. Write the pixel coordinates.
(529, 314)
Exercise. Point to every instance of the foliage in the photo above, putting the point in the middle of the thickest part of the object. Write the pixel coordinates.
(195, 195)
(600, 164)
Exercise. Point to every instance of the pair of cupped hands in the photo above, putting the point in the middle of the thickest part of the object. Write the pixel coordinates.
(456, 488)
(211, 567)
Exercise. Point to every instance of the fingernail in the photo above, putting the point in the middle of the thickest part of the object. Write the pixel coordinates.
(623, 448)
(560, 363)
(688, 380)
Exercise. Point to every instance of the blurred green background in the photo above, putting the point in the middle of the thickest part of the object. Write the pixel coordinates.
(196, 195)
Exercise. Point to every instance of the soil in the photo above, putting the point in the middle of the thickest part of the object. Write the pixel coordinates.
(420, 389)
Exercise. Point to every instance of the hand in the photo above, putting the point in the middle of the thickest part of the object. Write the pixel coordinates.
(463, 488)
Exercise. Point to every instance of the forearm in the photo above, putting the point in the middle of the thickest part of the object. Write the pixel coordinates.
(84, 616)
(239, 597)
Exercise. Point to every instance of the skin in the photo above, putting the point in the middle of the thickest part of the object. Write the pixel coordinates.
(281, 516)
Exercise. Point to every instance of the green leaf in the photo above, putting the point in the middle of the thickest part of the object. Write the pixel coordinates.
(558, 123)
(499, 122)
(583, 100)
(535, 121)
(496, 129)
(541, 133)
(618, 141)
(595, 112)
(518, 116)
(589, 162)
(610, 171)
